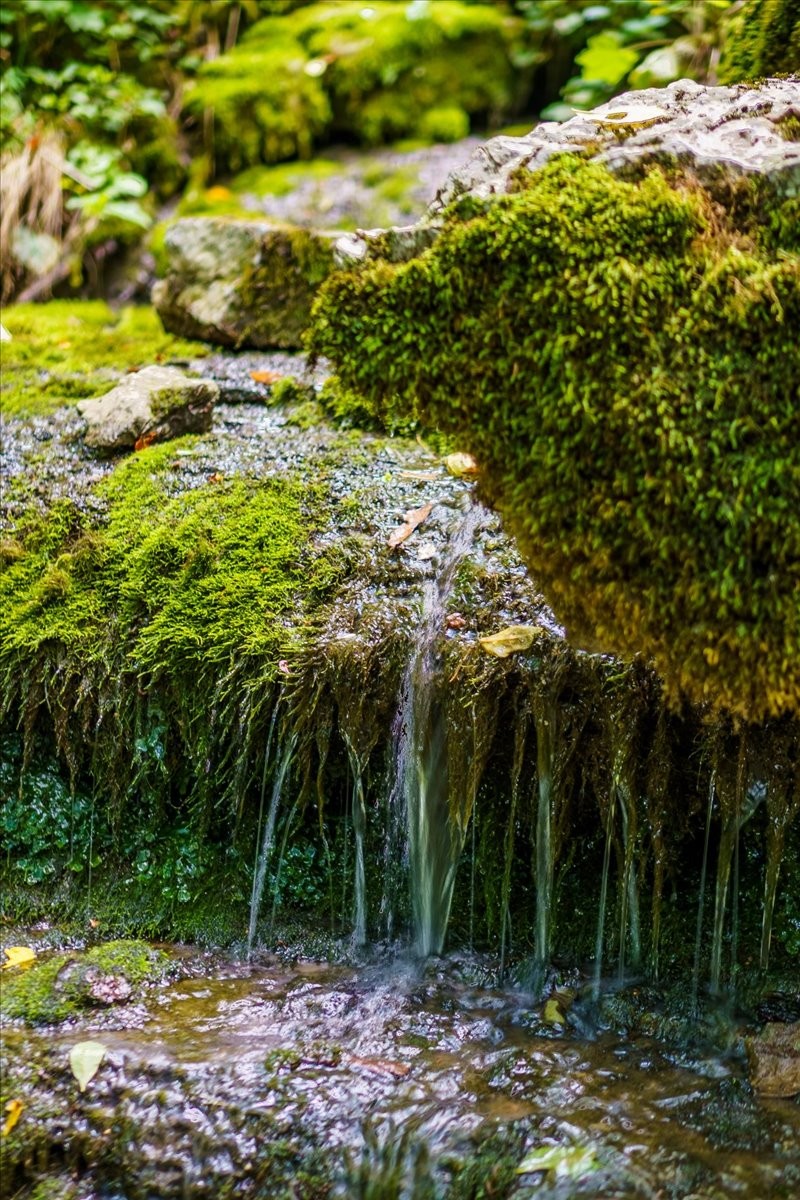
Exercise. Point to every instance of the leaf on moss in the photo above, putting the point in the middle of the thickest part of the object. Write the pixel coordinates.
(19, 956)
(85, 1059)
(14, 1110)
(413, 519)
(510, 640)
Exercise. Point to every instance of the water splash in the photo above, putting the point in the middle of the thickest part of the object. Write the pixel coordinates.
(421, 763)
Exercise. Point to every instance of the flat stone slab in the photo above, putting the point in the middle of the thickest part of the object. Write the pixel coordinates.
(156, 402)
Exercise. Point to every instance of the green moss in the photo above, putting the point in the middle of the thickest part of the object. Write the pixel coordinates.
(59, 986)
(66, 350)
(276, 295)
(188, 599)
(621, 359)
(764, 39)
(135, 960)
(398, 70)
(258, 103)
(282, 179)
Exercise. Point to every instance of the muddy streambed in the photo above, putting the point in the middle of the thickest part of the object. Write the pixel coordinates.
(396, 1080)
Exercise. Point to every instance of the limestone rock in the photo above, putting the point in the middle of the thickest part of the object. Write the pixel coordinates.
(159, 401)
(716, 132)
(241, 283)
(774, 1058)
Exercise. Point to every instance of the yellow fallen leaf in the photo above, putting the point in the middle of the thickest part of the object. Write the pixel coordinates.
(552, 1014)
(85, 1059)
(413, 519)
(459, 464)
(510, 640)
(14, 1109)
(19, 956)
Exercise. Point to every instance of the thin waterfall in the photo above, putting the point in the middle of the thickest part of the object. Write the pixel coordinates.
(781, 811)
(545, 765)
(421, 775)
(601, 915)
(698, 937)
(268, 840)
(520, 732)
(360, 877)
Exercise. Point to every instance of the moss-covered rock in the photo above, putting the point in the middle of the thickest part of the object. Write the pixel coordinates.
(370, 72)
(59, 986)
(67, 350)
(614, 341)
(404, 70)
(241, 283)
(156, 403)
(258, 103)
(764, 39)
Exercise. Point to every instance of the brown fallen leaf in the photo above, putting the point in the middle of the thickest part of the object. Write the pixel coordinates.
(419, 476)
(510, 640)
(383, 1065)
(413, 519)
(266, 376)
(145, 440)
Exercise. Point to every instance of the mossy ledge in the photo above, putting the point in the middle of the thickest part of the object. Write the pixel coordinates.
(620, 355)
(57, 987)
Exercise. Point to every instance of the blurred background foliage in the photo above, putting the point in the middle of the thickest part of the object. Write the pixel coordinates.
(109, 107)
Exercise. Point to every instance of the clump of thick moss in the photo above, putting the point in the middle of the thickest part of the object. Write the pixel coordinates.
(259, 103)
(59, 986)
(764, 39)
(400, 70)
(67, 350)
(621, 357)
(376, 73)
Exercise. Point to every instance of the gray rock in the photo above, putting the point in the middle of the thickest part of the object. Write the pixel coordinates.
(158, 401)
(241, 283)
(716, 132)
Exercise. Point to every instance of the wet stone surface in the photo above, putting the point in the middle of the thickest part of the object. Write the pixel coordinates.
(301, 1079)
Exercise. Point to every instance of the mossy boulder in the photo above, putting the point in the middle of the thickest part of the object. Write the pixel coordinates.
(156, 403)
(258, 103)
(409, 70)
(370, 72)
(764, 39)
(607, 319)
(241, 283)
(59, 986)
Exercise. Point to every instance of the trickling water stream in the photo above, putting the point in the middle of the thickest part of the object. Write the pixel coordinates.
(398, 1081)
(421, 770)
